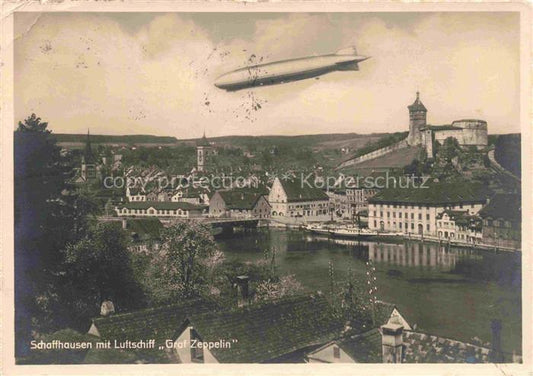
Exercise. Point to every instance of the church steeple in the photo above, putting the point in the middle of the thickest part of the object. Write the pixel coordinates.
(89, 156)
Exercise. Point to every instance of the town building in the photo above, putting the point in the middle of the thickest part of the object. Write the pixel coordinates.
(502, 221)
(239, 203)
(161, 209)
(339, 204)
(134, 194)
(203, 152)
(358, 199)
(460, 226)
(294, 199)
(88, 169)
(415, 210)
(280, 331)
(392, 343)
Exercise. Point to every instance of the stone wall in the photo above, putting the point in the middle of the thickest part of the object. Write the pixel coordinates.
(375, 154)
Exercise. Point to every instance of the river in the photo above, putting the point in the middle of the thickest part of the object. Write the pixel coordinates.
(449, 291)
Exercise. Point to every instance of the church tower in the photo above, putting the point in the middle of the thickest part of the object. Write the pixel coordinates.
(88, 162)
(417, 120)
(203, 150)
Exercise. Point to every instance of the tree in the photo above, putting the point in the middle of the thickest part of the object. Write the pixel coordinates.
(98, 267)
(180, 267)
(40, 230)
(355, 298)
(450, 149)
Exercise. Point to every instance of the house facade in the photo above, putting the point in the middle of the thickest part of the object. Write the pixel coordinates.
(292, 198)
(160, 209)
(239, 203)
(460, 226)
(415, 211)
(502, 221)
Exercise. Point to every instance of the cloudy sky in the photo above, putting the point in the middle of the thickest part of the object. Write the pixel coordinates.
(153, 73)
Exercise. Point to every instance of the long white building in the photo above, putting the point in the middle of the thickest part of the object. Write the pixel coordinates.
(415, 210)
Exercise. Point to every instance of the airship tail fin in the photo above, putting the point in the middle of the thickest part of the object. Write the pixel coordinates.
(347, 51)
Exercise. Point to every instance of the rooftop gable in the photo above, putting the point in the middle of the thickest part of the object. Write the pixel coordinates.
(297, 190)
(269, 331)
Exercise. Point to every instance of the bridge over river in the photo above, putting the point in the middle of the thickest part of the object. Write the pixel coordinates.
(219, 225)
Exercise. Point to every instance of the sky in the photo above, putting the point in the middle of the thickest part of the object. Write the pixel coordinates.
(153, 73)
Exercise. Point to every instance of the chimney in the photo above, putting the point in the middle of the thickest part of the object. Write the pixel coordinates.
(242, 290)
(392, 343)
(107, 308)
(496, 353)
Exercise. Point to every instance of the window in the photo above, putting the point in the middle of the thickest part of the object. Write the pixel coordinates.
(412, 215)
(400, 215)
(388, 214)
(427, 227)
(419, 216)
(412, 226)
(336, 352)
(393, 214)
(427, 217)
(400, 225)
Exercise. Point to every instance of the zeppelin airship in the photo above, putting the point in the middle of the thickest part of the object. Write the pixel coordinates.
(284, 71)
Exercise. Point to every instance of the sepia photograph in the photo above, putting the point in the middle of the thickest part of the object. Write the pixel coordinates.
(274, 187)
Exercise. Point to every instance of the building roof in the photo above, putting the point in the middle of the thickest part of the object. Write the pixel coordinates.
(435, 194)
(269, 331)
(418, 348)
(158, 323)
(162, 205)
(417, 104)
(446, 127)
(297, 191)
(505, 206)
(364, 347)
(427, 348)
(240, 199)
(203, 141)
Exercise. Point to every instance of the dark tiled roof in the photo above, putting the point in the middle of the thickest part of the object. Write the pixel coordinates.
(297, 190)
(162, 205)
(364, 347)
(436, 193)
(269, 331)
(418, 348)
(504, 206)
(240, 199)
(426, 348)
(417, 105)
(154, 323)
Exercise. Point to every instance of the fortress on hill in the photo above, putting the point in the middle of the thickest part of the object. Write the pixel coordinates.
(467, 132)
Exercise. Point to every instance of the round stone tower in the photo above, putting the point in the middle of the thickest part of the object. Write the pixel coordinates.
(417, 120)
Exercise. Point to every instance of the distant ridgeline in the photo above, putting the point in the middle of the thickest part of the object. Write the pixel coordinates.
(106, 139)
